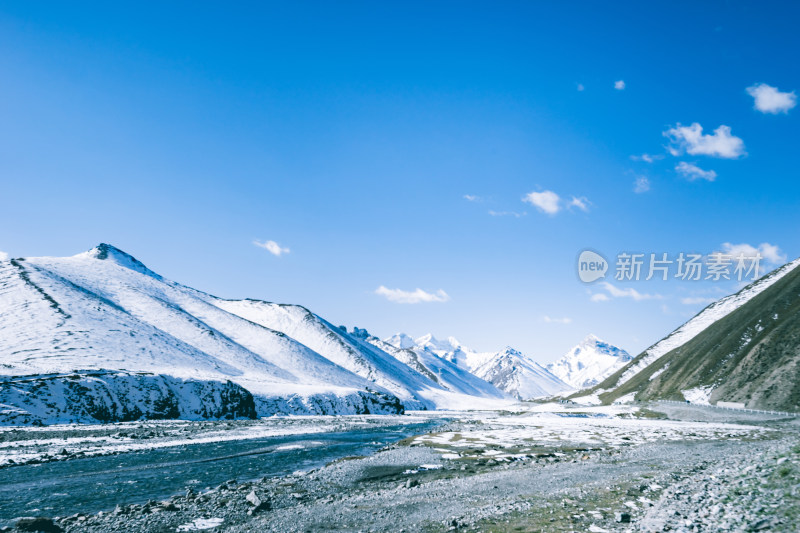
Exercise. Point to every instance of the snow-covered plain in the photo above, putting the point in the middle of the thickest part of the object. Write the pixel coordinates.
(556, 425)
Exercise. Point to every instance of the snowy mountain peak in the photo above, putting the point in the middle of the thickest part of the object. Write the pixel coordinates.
(589, 363)
(511, 351)
(400, 340)
(107, 252)
(591, 338)
(513, 372)
(431, 342)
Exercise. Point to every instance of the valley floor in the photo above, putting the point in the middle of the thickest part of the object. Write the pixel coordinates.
(655, 467)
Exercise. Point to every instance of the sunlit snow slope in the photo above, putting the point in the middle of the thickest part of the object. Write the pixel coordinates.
(589, 363)
(104, 310)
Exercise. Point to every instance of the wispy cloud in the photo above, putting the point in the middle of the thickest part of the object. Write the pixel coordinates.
(545, 201)
(692, 140)
(641, 184)
(507, 214)
(551, 320)
(769, 99)
(619, 85)
(411, 297)
(647, 158)
(581, 203)
(770, 252)
(272, 247)
(600, 297)
(630, 292)
(580, 87)
(693, 172)
(472, 198)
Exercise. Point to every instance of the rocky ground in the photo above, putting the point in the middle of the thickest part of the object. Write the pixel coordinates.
(691, 484)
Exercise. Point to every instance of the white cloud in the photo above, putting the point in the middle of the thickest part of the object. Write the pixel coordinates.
(506, 214)
(3, 256)
(545, 201)
(630, 292)
(272, 247)
(770, 252)
(550, 320)
(691, 139)
(411, 297)
(693, 172)
(619, 85)
(551, 203)
(599, 297)
(581, 203)
(581, 87)
(770, 99)
(642, 184)
(695, 300)
(472, 198)
(647, 158)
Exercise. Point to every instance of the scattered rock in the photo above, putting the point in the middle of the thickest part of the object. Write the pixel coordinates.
(253, 499)
(40, 524)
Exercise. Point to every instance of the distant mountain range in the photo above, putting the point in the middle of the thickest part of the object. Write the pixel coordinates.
(101, 337)
(508, 370)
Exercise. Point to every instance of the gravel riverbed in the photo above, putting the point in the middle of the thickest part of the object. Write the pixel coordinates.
(461, 477)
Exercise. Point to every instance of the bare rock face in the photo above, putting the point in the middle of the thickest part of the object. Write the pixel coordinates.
(109, 396)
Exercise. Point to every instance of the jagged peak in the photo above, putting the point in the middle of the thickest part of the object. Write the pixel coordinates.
(400, 340)
(510, 350)
(108, 252)
(451, 344)
(591, 338)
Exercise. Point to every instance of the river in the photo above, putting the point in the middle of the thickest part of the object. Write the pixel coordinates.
(92, 484)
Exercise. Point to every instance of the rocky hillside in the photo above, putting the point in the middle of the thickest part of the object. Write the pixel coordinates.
(102, 397)
(749, 354)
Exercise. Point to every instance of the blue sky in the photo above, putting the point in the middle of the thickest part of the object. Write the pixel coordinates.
(350, 134)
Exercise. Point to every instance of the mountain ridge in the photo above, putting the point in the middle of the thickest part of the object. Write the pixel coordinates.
(723, 352)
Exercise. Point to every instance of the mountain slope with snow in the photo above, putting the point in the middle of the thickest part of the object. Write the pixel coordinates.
(511, 371)
(449, 349)
(438, 369)
(508, 371)
(743, 348)
(104, 310)
(589, 363)
(336, 345)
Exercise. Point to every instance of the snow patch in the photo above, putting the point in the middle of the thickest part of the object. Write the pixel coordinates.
(200, 524)
(698, 395)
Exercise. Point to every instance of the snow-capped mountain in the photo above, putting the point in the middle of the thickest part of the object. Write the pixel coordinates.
(589, 363)
(511, 371)
(426, 362)
(508, 370)
(449, 349)
(335, 345)
(103, 312)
